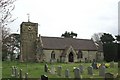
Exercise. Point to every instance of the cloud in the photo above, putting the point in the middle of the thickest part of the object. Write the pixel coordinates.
(84, 17)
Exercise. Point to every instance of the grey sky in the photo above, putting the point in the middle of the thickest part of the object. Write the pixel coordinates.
(84, 17)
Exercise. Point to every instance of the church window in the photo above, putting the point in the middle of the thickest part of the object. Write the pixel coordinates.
(53, 55)
(80, 54)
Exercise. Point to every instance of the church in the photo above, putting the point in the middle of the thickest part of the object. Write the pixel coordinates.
(39, 48)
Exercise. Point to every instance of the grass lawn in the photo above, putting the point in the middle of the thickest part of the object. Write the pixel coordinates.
(35, 70)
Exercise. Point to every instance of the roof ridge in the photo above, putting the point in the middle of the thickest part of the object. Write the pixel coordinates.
(64, 38)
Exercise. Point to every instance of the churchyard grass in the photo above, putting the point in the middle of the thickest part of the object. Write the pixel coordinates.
(35, 70)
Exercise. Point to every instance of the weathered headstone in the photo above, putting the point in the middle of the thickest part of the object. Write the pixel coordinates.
(59, 70)
(109, 76)
(20, 73)
(67, 73)
(44, 77)
(46, 68)
(13, 71)
(90, 70)
(81, 68)
(52, 69)
(77, 73)
(102, 70)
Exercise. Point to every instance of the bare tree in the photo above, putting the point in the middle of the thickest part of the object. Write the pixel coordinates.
(96, 37)
(6, 7)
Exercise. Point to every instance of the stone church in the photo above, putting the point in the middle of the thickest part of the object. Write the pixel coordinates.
(39, 48)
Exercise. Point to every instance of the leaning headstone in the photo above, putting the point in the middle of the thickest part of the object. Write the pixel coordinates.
(44, 77)
(59, 70)
(81, 68)
(20, 73)
(109, 76)
(90, 70)
(52, 70)
(102, 70)
(46, 68)
(16, 72)
(67, 73)
(13, 71)
(77, 73)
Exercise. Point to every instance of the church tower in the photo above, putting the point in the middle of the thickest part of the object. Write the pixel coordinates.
(28, 34)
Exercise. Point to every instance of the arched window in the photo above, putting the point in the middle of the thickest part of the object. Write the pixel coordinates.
(80, 54)
(53, 55)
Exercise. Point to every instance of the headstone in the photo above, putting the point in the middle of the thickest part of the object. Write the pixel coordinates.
(109, 76)
(13, 71)
(112, 64)
(81, 68)
(59, 70)
(46, 68)
(67, 73)
(26, 76)
(52, 70)
(102, 70)
(90, 70)
(16, 72)
(44, 77)
(77, 73)
(20, 73)
(94, 64)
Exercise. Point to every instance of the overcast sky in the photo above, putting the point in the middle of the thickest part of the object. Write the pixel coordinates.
(84, 17)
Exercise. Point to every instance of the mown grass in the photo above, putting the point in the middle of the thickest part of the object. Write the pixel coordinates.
(35, 70)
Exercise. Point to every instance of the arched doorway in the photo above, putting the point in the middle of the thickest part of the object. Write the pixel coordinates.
(71, 57)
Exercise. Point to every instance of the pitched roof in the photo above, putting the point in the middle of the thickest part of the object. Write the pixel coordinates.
(62, 43)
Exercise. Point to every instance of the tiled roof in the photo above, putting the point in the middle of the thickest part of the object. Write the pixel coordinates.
(62, 43)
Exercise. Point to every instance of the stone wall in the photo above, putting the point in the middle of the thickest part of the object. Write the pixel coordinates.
(90, 55)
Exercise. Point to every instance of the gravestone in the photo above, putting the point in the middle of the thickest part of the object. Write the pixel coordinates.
(16, 72)
(81, 68)
(112, 65)
(20, 73)
(109, 76)
(77, 73)
(13, 71)
(44, 77)
(94, 64)
(46, 68)
(52, 69)
(59, 70)
(102, 70)
(26, 76)
(90, 70)
(67, 73)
